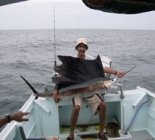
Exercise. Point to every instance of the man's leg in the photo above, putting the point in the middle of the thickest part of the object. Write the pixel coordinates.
(73, 120)
(102, 116)
(98, 105)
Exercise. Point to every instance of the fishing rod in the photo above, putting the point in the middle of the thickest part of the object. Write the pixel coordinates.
(54, 38)
(125, 73)
(130, 70)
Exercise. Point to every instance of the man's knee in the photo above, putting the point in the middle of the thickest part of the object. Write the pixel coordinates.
(76, 109)
(102, 105)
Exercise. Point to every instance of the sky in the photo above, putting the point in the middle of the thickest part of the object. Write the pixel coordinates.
(69, 14)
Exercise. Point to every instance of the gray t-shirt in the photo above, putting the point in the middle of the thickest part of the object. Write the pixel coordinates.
(88, 57)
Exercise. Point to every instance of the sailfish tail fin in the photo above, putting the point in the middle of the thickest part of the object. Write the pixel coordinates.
(32, 88)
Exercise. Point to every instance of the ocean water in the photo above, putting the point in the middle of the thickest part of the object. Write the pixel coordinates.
(30, 53)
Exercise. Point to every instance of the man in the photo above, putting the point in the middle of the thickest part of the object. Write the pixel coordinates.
(95, 102)
(18, 116)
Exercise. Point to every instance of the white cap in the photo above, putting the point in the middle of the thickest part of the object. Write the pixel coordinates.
(81, 40)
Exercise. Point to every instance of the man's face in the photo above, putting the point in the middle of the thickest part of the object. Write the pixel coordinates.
(81, 49)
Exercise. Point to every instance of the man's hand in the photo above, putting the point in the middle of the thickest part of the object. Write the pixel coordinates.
(56, 96)
(18, 116)
(120, 74)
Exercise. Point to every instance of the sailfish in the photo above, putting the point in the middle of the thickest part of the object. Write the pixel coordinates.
(79, 77)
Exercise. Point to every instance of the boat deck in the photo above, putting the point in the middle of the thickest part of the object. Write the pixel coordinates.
(134, 135)
(92, 129)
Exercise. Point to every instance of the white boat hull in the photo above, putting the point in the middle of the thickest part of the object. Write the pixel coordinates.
(47, 118)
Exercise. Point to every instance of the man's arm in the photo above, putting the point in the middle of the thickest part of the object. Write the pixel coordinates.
(17, 116)
(112, 71)
(56, 94)
(3, 121)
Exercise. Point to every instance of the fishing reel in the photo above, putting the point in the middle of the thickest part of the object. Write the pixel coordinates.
(56, 77)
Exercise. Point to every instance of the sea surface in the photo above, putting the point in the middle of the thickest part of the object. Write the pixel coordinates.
(30, 53)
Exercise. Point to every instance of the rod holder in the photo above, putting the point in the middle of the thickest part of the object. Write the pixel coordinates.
(122, 93)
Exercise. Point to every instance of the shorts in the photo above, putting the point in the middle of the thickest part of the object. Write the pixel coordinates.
(92, 101)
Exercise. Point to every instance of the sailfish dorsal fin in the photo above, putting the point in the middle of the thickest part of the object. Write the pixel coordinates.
(78, 70)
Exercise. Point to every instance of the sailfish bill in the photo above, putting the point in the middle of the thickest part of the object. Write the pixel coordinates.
(32, 88)
(82, 78)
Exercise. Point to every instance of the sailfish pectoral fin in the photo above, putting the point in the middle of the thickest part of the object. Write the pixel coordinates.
(32, 88)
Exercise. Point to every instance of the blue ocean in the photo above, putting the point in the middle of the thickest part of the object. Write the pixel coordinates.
(30, 53)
